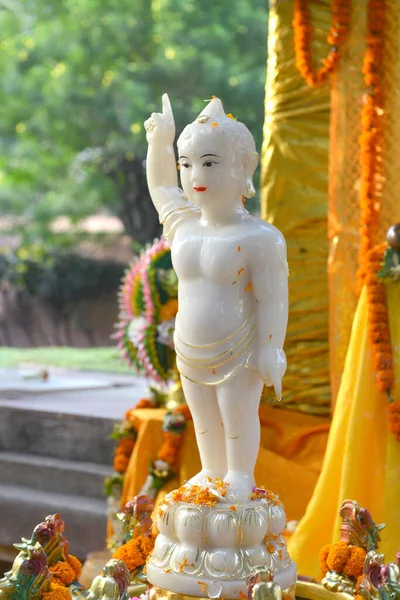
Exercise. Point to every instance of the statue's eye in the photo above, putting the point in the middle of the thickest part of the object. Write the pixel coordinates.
(185, 165)
(209, 164)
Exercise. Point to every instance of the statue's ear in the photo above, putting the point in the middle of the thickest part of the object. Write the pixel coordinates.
(250, 163)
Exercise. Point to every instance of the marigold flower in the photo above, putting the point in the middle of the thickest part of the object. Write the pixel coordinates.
(121, 463)
(323, 555)
(170, 448)
(185, 411)
(338, 556)
(168, 310)
(126, 444)
(355, 562)
(57, 593)
(75, 564)
(134, 553)
(359, 581)
(64, 572)
(144, 403)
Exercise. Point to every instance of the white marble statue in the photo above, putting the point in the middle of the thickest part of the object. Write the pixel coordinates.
(233, 293)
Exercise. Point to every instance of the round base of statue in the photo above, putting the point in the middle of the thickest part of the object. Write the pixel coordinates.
(211, 545)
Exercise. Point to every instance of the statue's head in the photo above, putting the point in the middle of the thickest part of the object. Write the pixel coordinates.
(217, 157)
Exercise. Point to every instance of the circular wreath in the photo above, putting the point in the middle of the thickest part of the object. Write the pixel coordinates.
(148, 301)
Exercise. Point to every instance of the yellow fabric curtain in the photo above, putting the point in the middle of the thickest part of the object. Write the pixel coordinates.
(362, 459)
(294, 197)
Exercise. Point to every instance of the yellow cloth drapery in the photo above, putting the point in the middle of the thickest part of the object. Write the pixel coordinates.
(294, 197)
(362, 460)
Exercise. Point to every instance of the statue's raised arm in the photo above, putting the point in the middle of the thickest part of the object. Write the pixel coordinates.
(162, 178)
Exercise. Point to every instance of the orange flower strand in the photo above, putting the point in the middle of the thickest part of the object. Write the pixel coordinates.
(126, 445)
(371, 137)
(378, 323)
(120, 463)
(303, 40)
(170, 448)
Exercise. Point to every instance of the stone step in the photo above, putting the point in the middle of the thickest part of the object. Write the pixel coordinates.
(73, 437)
(53, 475)
(21, 508)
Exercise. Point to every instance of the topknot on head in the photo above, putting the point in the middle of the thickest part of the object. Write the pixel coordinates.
(214, 117)
(214, 111)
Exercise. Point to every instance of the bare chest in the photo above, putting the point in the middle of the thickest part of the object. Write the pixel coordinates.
(208, 254)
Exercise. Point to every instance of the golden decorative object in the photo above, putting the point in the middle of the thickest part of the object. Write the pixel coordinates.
(338, 582)
(313, 591)
(393, 236)
(294, 197)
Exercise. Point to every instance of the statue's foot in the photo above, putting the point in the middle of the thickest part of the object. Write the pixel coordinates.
(202, 478)
(240, 485)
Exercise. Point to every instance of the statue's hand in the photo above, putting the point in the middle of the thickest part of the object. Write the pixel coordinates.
(272, 367)
(161, 126)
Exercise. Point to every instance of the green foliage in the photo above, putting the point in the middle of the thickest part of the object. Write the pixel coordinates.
(85, 359)
(122, 430)
(79, 77)
(60, 278)
(113, 485)
(391, 264)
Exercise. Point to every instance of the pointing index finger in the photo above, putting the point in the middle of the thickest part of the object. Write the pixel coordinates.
(167, 108)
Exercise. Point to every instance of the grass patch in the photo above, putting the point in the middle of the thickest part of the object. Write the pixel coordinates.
(86, 359)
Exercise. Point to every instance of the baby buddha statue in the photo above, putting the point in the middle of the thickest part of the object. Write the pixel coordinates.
(229, 333)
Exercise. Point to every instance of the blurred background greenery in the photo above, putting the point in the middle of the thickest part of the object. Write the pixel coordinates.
(78, 78)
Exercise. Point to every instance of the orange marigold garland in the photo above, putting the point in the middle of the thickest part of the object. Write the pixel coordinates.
(378, 323)
(125, 434)
(303, 40)
(170, 448)
(371, 138)
(165, 464)
(379, 334)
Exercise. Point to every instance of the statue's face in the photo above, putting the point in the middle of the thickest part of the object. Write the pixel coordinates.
(211, 171)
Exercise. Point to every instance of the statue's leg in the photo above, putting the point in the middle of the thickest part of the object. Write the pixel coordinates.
(202, 401)
(238, 400)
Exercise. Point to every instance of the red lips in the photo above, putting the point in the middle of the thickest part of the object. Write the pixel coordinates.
(199, 189)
